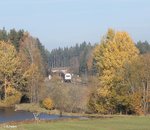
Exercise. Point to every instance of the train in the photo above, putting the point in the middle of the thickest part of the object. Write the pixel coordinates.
(66, 77)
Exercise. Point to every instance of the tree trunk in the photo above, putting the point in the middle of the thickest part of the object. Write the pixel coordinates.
(145, 97)
(5, 94)
(60, 113)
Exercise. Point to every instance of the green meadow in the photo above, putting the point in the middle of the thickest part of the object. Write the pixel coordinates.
(115, 123)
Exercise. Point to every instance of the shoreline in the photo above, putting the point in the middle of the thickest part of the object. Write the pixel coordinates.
(36, 108)
(33, 107)
(30, 107)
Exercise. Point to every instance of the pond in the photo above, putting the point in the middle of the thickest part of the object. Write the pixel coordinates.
(9, 115)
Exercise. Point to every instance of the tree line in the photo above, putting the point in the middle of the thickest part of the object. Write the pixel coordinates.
(75, 57)
(15, 37)
(23, 66)
(79, 57)
(120, 67)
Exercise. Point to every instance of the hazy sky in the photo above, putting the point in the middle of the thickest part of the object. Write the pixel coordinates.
(67, 22)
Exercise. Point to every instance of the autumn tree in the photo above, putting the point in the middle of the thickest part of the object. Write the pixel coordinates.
(10, 71)
(33, 62)
(137, 75)
(115, 50)
(32, 65)
(145, 80)
(34, 81)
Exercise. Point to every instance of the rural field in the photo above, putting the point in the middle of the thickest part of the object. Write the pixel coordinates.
(115, 123)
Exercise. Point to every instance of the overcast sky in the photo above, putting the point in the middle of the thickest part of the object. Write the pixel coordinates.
(67, 22)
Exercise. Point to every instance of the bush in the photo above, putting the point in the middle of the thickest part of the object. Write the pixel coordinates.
(13, 96)
(11, 100)
(14, 99)
(47, 103)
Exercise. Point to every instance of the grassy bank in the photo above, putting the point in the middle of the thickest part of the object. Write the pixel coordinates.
(32, 107)
(116, 123)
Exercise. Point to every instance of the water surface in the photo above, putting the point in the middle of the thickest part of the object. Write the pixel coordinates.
(9, 115)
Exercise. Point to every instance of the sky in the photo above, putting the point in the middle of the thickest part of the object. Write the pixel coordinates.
(62, 23)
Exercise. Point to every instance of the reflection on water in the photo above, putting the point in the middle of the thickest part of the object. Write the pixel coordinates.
(52, 117)
(8, 115)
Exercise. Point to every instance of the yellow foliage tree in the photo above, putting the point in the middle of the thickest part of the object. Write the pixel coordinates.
(34, 79)
(116, 50)
(32, 65)
(9, 66)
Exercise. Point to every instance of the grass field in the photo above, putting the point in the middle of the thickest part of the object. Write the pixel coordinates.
(116, 123)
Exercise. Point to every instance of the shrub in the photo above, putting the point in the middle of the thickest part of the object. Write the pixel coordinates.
(47, 103)
(14, 99)
(11, 99)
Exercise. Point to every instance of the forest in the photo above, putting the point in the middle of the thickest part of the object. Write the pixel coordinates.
(118, 71)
